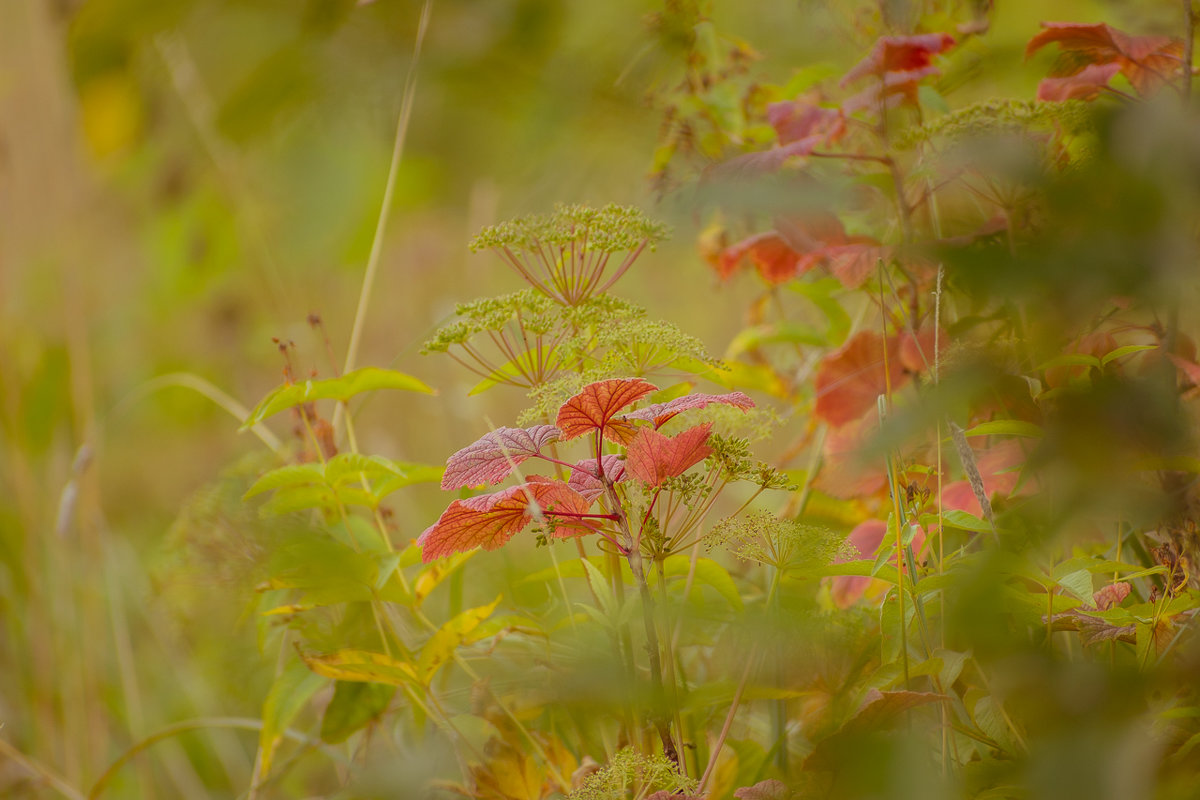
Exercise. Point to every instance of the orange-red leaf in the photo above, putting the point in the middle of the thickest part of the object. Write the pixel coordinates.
(770, 254)
(492, 458)
(596, 408)
(661, 413)
(490, 520)
(850, 379)
(653, 457)
(899, 54)
(1147, 61)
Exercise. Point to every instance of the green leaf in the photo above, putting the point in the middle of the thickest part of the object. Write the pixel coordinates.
(290, 499)
(708, 572)
(1113, 355)
(965, 521)
(294, 686)
(1070, 360)
(351, 466)
(1078, 583)
(353, 706)
(406, 475)
(367, 379)
(287, 476)
(1006, 427)
(441, 646)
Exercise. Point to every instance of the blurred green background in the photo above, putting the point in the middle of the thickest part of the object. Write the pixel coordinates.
(181, 181)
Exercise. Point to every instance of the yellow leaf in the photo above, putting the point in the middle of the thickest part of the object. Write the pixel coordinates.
(362, 665)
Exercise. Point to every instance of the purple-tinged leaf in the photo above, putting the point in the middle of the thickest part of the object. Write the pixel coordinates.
(492, 458)
(585, 480)
(661, 413)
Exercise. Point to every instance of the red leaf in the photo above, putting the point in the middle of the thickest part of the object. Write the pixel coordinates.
(893, 54)
(490, 520)
(802, 121)
(1083, 85)
(585, 480)
(653, 457)
(916, 349)
(851, 467)
(1110, 596)
(853, 263)
(595, 407)
(770, 254)
(1147, 61)
(492, 458)
(661, 413)
(851, 378)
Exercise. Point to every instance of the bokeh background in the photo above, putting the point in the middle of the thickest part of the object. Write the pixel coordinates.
(181, 181)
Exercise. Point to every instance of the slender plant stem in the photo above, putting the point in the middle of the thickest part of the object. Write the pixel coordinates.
(1189, 31)
(733, 707)
(35, 767)
(368, 284)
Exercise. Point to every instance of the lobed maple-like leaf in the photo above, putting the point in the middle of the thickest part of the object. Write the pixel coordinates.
(1083, 85)
(653, 457)
(900, 54)
(490, 520)
(850, 379)
(661, 413)
(1147, 61)
(856, 261)
(585, 479)
(493, 456)
(596, 408)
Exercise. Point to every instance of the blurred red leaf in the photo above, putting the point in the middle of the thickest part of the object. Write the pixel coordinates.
(1083, 85)
(851, 468)
(850, 379)
(596, 407)
(900, 54)
(653, 457)
(854, 262)
(494, 455)
(490, 520)
(1147, 61)
(770, 789)
(916, 349)
(661, 413)
(585, 478)
(770, 254)
(804, 123)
